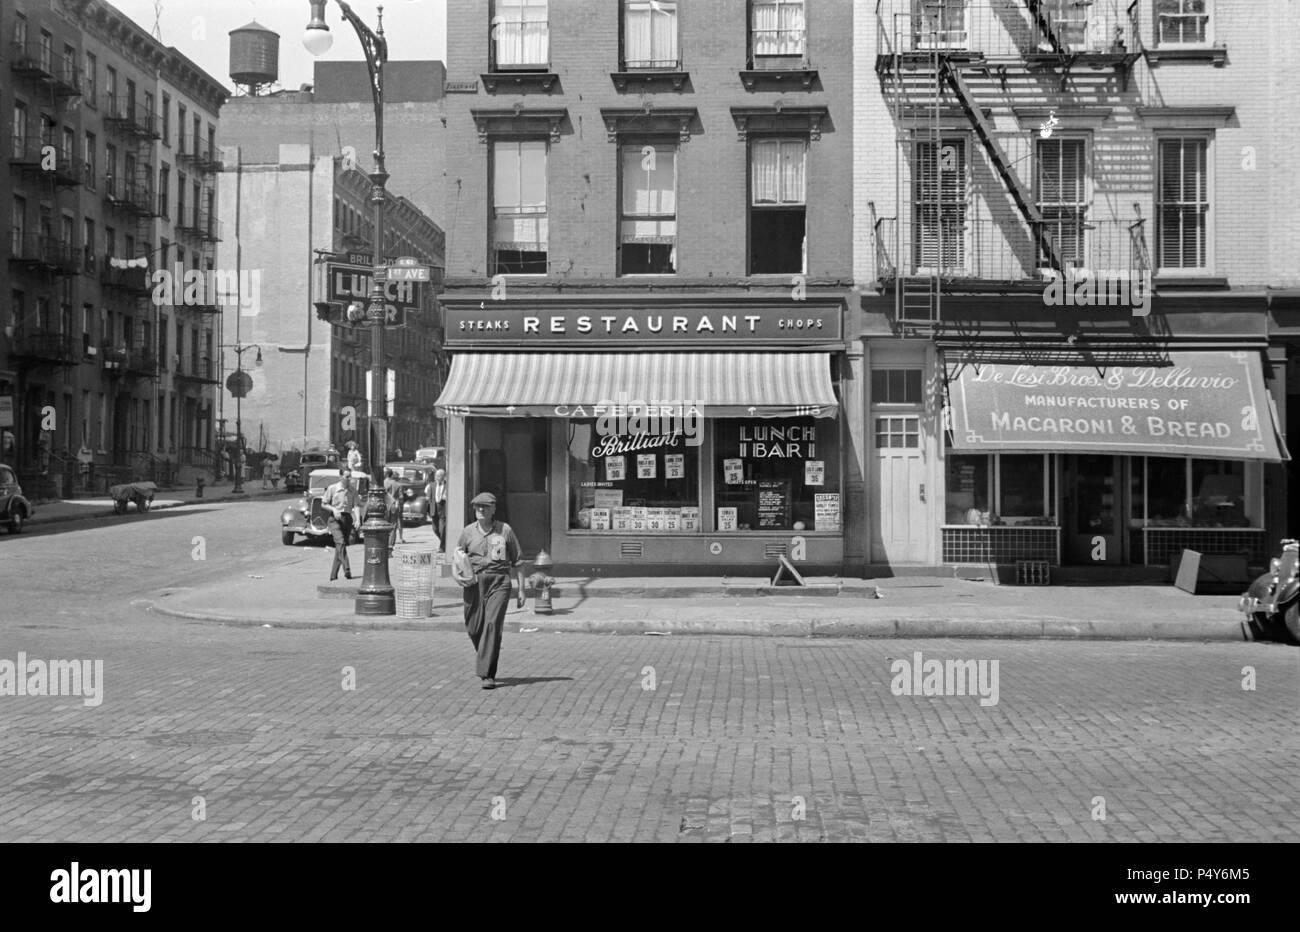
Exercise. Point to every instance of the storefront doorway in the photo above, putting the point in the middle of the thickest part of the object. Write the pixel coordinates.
(509, 457)
(898, 493)
(1091, 509)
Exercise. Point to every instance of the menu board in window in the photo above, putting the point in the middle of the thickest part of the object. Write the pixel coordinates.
(773, 503)
(827, 511)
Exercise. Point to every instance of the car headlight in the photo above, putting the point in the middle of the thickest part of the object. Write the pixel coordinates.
(409, 493)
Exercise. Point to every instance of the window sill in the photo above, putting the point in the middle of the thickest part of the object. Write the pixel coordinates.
(649, 78)
(1216, 55)
(1182, 279)
(511, 80)
(779, 79)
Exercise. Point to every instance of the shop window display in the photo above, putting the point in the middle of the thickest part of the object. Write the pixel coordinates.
(1178, 492)
(623, 483)
(1014, 489)
(774, 474)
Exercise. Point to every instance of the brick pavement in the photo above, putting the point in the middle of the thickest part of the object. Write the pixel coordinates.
(735, 733)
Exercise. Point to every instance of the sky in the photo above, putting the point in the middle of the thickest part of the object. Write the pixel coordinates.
(415, 30)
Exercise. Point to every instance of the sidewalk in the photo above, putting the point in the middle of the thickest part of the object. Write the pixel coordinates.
(77, 509)
(294, 592)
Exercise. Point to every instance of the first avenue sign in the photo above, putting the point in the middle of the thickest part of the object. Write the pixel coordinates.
(642, 327)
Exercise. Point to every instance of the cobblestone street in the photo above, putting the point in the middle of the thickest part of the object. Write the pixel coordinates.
(608, 737)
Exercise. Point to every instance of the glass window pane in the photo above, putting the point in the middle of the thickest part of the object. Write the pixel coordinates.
(784, 463)
(967, 488)
(1219, 493)
(505, 174)
(634, 482)
(1166, 491)
(532, 174)
(1023, 494)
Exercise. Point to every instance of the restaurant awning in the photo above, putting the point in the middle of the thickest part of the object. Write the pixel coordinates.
(1204, 404)
(591, 384)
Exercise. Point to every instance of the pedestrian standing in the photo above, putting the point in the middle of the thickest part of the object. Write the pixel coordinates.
(266, 473)
(354, 456)
(493, 552)
(393, 495)
(436, 491)
(339, 500)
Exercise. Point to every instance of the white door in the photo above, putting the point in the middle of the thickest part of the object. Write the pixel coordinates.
(899, 521)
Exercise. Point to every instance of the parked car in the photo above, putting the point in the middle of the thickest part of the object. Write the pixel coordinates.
(15, 509)
(1272, 603)
(430, 456)
(413, 478)
(311, 459)
(308, 516)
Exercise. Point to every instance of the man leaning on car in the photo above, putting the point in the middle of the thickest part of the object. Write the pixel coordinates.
(339, 500)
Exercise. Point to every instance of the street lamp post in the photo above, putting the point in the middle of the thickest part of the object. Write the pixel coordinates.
(238, 466)
(376, 594)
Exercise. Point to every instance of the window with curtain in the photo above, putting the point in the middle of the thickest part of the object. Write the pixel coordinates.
(778, 29)
(939, 23)
(20, 130)
(519, 223)
(777, 205)
(939, 205)
(650, 34)
(1182, 22)
(520, 35)
(1062, 190)
(1183, 207)
(648, 209)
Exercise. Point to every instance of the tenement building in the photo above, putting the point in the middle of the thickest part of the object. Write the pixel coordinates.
(649, 256)
(99, 381)
(1072, 224)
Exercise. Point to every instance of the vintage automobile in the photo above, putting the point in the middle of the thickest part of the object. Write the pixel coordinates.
(311, 459)
(414, 502)
(308, 516)
(430, 456)
(15, 509)
(1272, 603)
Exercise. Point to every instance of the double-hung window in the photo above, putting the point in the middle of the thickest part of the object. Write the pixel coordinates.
(777, 206)
(939, 206)
(520, 233)
(939, 24)
(520, 34)
(650, 34)
(1062, 194)
(777, 33)
(1183, 203)
(1182, 22)
(647, 229)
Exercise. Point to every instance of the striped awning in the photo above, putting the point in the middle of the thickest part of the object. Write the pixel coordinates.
(591, 384)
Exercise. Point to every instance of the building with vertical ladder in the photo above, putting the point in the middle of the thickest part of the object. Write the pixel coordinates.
(1066, 281)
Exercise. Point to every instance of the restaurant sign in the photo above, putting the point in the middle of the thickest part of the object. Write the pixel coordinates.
(639, 327)
(1208, 404)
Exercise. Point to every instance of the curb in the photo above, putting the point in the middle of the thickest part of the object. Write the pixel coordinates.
(899, 628)
(110, 513)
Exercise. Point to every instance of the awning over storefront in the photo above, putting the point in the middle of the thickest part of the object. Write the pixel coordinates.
(593, 384)
(1204, 404)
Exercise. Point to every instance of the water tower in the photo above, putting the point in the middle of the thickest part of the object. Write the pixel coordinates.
(254, 58)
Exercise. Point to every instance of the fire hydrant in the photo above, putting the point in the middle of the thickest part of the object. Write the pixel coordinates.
(541, 584)
(198, 487)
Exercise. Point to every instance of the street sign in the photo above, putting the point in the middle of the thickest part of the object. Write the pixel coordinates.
(409, 273)
(345, 283)
(239, 384)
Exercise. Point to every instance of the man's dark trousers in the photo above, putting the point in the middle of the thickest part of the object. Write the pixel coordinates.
(341, 531)
(439, 519)
(485, 618)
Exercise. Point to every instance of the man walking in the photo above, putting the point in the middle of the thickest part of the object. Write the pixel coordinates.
(339, 500)
(393, 496)
(494, 553)
(437, 494)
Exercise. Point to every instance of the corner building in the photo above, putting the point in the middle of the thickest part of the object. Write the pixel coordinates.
(649, 255)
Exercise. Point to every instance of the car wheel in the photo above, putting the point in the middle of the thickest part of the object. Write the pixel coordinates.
(144, 504)
(1293, 620)
(16, 522)
(286, 538)
(119, 507)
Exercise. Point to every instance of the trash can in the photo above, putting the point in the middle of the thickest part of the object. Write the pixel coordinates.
(413, 587)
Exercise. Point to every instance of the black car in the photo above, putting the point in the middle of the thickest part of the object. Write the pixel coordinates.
(15, 509)
(413, 478)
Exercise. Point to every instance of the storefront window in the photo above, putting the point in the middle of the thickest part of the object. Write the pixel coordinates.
(777, 474)
(1219, 494)
(1166, 490)
(647, 483)
(967, 489)
(1025, 483)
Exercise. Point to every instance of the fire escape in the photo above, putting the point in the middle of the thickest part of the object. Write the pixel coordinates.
(944, 61)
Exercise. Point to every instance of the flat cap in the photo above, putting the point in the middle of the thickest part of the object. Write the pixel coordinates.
(484, 498)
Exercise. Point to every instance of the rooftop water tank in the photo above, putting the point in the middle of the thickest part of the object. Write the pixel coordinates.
(254, 55)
